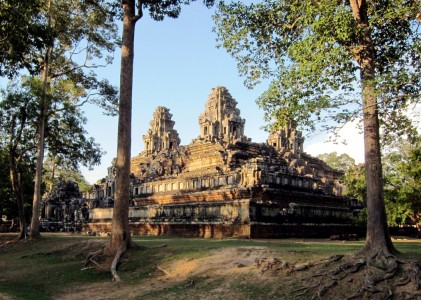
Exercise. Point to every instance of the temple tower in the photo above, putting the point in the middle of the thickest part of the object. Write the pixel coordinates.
(221, 118)
(287, 137)
(161, 135)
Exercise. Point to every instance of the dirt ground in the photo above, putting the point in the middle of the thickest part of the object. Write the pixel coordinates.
(229, 264)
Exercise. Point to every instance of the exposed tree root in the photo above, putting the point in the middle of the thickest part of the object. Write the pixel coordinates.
(324, 289)
(100, 259)
(114, 265)
(375, 277)
(92, 257)
(277, 266)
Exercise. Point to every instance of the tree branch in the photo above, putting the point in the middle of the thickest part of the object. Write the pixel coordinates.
(294, 23)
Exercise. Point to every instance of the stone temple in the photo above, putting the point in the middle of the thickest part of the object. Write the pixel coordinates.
(222, 184)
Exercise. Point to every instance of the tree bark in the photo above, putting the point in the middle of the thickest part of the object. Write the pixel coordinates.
(378, 240)
(120, 234)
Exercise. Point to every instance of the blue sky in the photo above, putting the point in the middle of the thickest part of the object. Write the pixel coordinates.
(176, 65)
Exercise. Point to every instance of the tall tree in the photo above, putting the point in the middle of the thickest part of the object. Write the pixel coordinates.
(132, 11)
(79, 32)
(334, 61)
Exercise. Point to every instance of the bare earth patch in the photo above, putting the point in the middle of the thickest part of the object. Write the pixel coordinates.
(228, 263)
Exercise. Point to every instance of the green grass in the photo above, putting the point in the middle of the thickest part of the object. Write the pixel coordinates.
(51, 266)
(40, 270)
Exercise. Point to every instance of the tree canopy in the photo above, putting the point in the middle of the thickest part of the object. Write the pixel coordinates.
(402, 181)
(21, 31)
(310, 50)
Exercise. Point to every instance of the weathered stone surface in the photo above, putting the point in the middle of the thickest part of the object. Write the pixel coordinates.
(286, 138)
(222, 183)
(221, 119)
(161, 134)
(64, 209)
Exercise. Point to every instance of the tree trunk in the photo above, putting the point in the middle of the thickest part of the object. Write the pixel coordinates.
(15, 180)
(120, 235)
(378, 240)
(44, 104)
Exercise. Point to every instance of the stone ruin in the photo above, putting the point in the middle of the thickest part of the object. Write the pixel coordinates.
(64, 209)
(222, 184)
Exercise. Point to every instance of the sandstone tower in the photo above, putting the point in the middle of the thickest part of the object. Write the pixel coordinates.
(161, 134)
(221, 118)
(287, 138)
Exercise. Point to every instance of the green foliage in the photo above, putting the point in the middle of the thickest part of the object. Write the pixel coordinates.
(354, 180)
(158, 10)
(20, 33)
(310, 51)
(65, 137)
(403, 184)
(342, 162)
(82, 36)
(18, 119)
